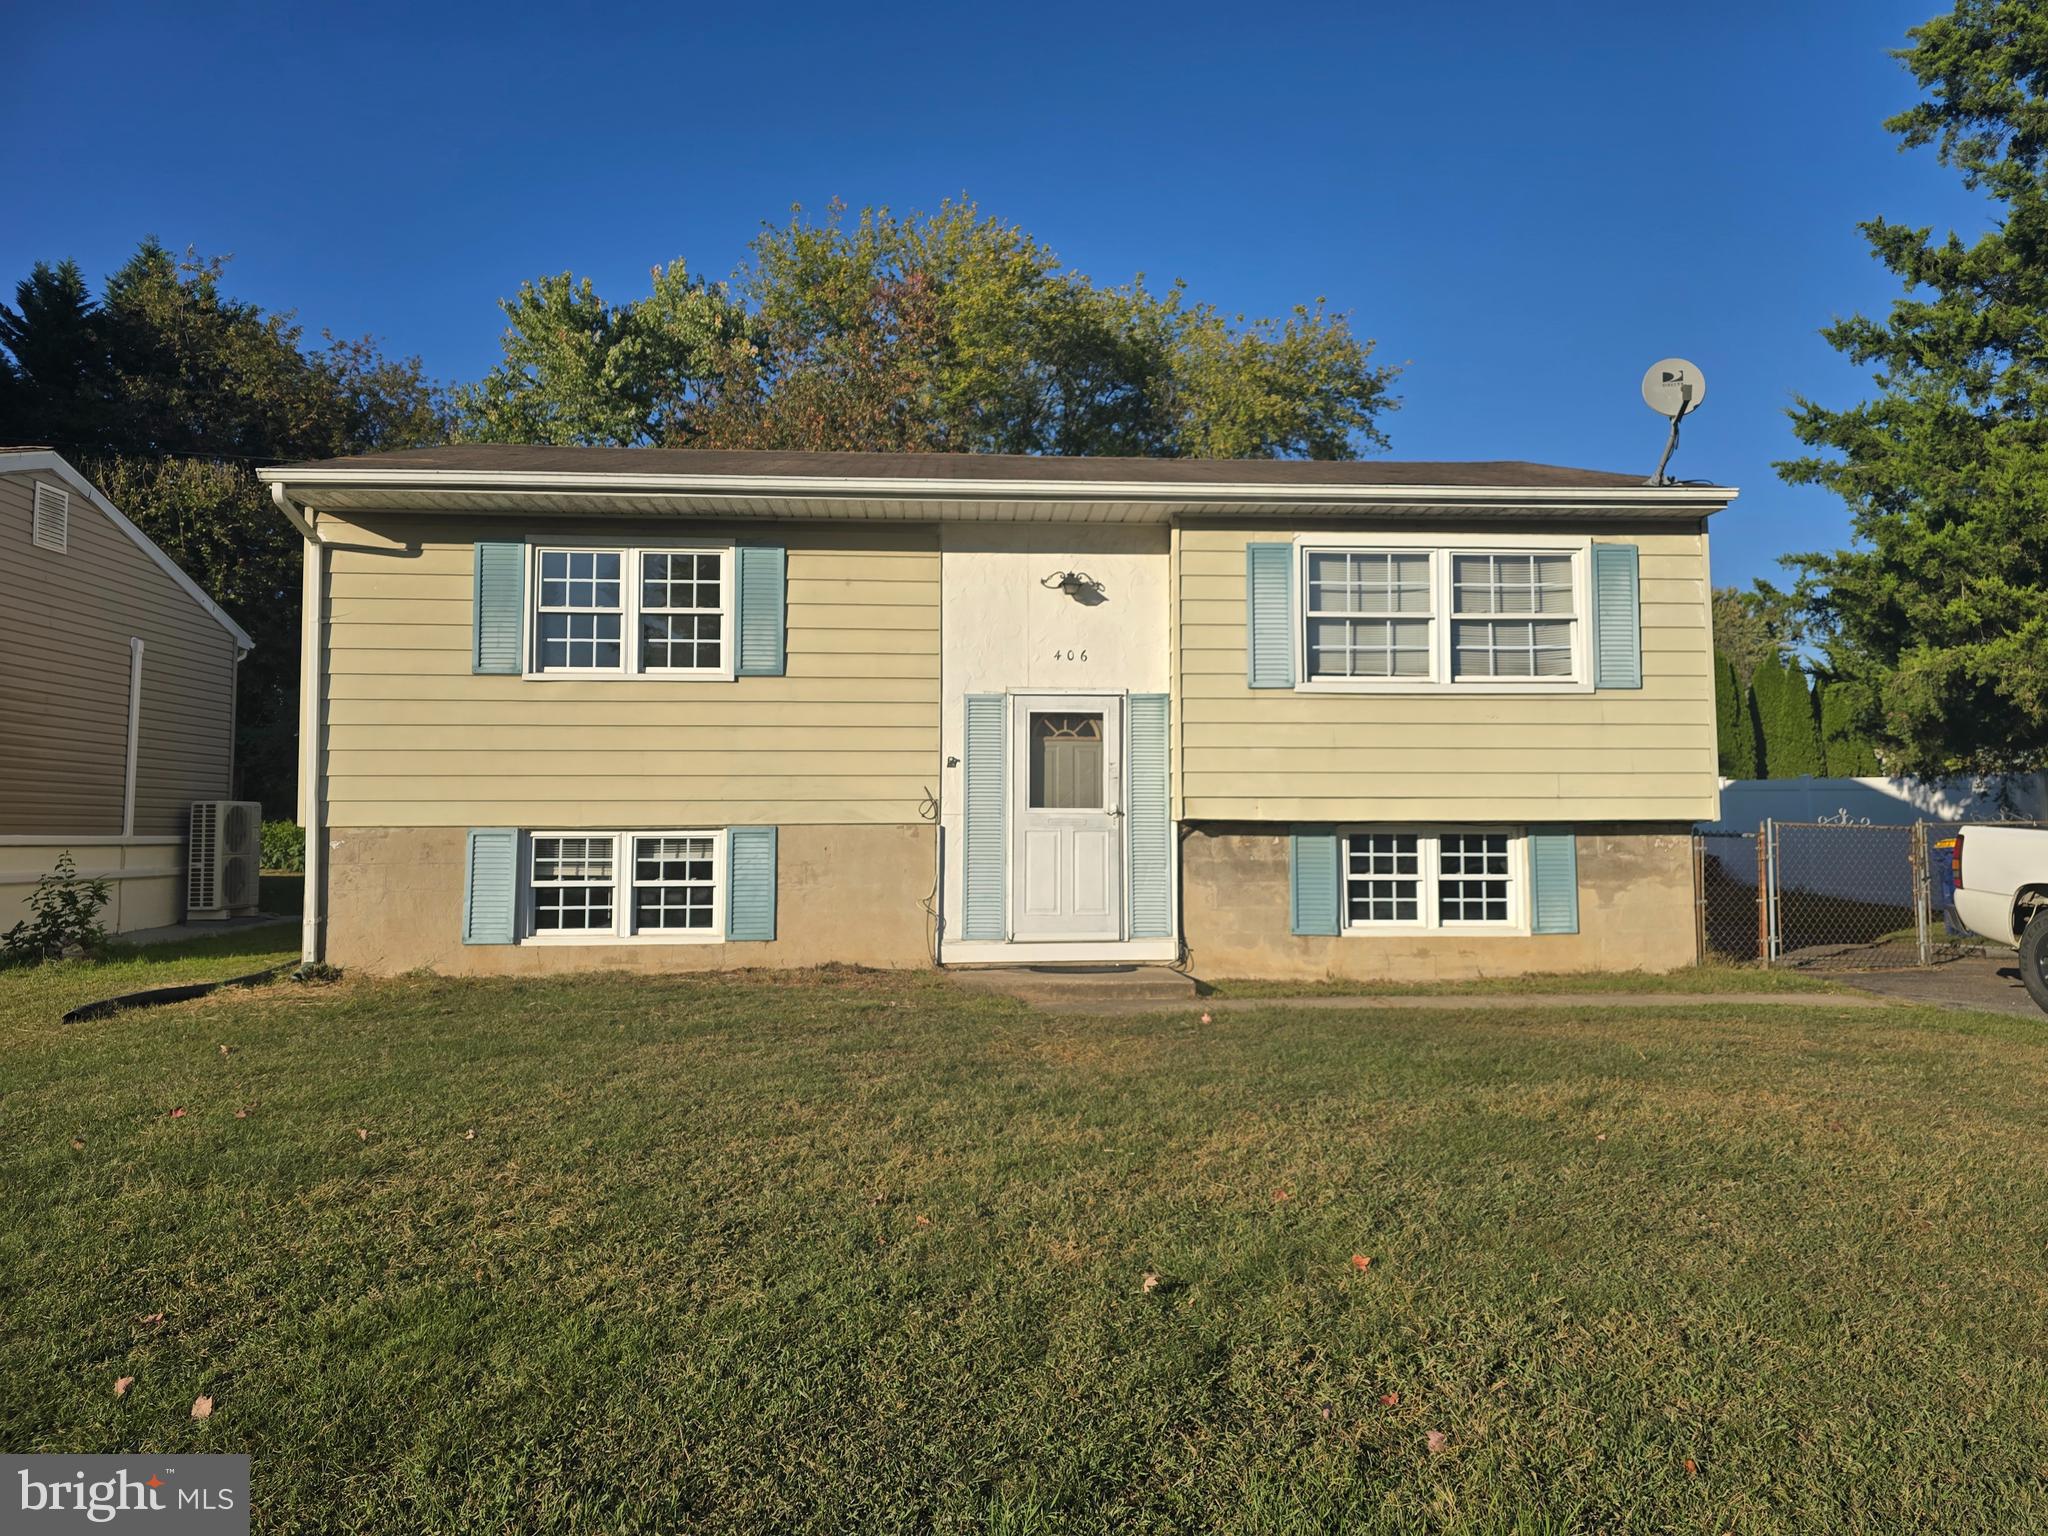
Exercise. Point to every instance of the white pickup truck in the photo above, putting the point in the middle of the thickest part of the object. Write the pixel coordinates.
(2001, 880)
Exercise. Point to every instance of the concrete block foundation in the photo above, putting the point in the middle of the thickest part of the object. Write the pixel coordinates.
(1635, 914)
(850, 894)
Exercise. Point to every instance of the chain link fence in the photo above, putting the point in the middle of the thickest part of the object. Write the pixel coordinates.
(1829, 895)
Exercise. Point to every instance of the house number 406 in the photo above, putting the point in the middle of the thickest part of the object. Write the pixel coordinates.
(1069, 655)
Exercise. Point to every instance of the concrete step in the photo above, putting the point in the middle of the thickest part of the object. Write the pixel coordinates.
(1065, 986)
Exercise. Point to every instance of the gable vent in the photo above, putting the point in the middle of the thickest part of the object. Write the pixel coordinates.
(51, 528)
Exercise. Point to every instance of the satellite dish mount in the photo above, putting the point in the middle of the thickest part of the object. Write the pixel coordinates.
(1673, 388)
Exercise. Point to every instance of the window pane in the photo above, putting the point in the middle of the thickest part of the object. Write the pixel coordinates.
(673, 640)
(572, 858)
(1368, 648)
(1512, 648)
(580, 620)
(1342, 582)
(673, 884)
(1473, 883)
(1383, 877)
(1540, 583)
(1066, 762)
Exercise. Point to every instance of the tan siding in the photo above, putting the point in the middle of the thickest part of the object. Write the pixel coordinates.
(64, 683)
(1273, 754)
(415, 739)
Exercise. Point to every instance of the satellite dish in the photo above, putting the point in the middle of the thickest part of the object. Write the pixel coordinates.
(1672, 388)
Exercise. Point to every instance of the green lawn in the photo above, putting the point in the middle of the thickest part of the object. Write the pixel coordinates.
(851, 1253)
(1694, 979)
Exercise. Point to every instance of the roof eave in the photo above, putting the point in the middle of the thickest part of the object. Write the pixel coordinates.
(776, 494)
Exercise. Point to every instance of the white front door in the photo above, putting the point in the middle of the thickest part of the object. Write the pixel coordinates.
(1067, 849)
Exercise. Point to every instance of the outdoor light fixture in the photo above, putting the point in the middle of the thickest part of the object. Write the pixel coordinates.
(1078, 585)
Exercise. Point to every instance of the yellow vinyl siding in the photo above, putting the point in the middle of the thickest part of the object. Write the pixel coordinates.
(64, 685)
(414, 739)
(1279, 755)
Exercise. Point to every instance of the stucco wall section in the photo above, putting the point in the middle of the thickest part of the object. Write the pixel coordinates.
(1004, 630)
(1635, 914)
(849, 894)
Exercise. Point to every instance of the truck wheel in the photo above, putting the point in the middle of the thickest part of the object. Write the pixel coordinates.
(2034, 959)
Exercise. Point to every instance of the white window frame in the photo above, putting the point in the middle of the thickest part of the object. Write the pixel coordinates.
(1429, 858)
(629, 668)
(622, 930)
(1441, 548)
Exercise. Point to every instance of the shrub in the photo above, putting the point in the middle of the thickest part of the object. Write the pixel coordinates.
(284, 847)
(64, 913)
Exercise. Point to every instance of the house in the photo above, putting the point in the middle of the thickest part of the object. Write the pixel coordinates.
(583, 707)
(117, 696)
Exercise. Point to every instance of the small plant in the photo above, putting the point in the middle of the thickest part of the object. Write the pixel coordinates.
(284, 847)
(316, 973)
(64, 913)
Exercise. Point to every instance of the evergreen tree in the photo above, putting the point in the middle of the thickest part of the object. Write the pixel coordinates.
(1847, 752)
(1791, 730)
(1940, 610)
(1734, 721)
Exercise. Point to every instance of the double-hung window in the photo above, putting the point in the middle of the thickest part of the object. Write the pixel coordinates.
(1427, 881)
(631, 612)
(1400, 613)
(624, 885)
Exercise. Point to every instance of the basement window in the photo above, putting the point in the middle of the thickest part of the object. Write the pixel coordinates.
(1423, 880)
(610, 887)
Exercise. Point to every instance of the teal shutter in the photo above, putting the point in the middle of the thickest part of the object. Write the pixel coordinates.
(1269, 615)
(496, 630)
(750, 883)
(1617, 617)
(983, 833)
(490, 886)
(1553, 881)
(1312, 867)
(1148, 818)
(761, 582)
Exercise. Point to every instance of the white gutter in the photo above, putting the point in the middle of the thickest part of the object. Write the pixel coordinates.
(135, 648)
(976, 489)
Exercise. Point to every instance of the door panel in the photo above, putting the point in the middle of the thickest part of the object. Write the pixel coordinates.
(1069, 817)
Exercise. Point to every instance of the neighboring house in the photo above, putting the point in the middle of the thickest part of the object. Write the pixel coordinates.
(580, 707)
(117, 696)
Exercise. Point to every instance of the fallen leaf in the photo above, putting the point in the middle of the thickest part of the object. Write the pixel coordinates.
(1692, 1468)
(1207, 1020)
(1836, 1125)
(469, 1135)
(1280, 1195)
(1437, 1441)
(1601, 1137)
(122, 1384)
(1326, 1410)
(1360, 1262)
(77, 1145)
(224, 1050)
(361, 1134)
(924, 1221)
(1150, 1283)
(1390, 1399)
(241, 1114)
(202, 1407)
(154, 1317)
(177, 1114)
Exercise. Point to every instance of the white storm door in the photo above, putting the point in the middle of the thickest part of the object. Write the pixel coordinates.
(1067, 849)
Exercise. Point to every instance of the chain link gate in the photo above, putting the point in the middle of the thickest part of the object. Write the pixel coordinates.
(1828, 895)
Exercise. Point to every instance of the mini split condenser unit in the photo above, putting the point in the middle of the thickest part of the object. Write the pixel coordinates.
(225, 859)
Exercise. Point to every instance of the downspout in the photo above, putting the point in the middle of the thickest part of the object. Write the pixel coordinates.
(312, 785)
(135, 649)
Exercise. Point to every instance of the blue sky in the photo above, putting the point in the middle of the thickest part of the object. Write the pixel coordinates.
(1525, 205)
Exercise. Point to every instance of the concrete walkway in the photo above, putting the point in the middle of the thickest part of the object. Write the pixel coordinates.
(1492, 1002)
(178, 932)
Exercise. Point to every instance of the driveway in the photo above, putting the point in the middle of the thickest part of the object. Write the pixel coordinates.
(1987, 982)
